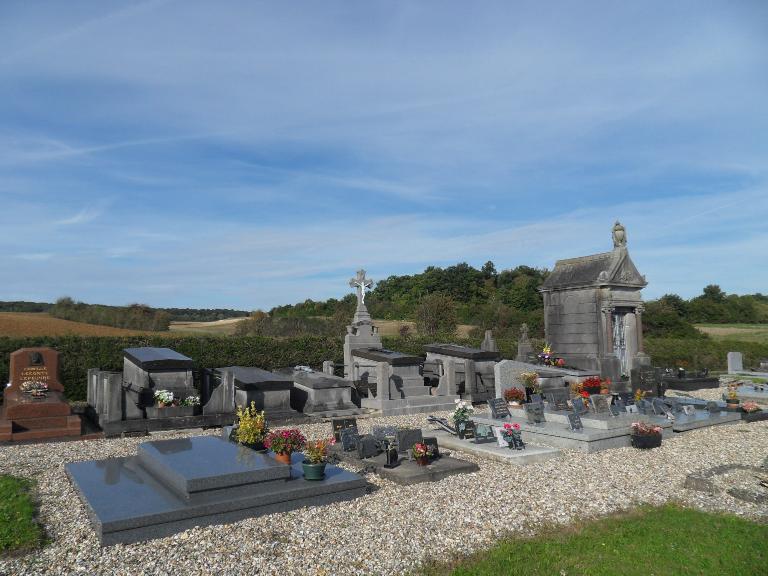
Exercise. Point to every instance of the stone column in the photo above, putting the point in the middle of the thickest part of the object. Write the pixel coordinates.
(470, 378)
(639, 318)
(630, 338)
(382, 381)
(608, 329)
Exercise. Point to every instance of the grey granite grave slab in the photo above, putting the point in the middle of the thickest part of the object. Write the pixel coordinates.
(321, 395)
(751, 393)
(590, 419)
(409, 472)
(217, 463)
(689, 384)
(270, 391)
(560, 435)
(126, 503)
(389, 356)
(702, 419)
(531, 455)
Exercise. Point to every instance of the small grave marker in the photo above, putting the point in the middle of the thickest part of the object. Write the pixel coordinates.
(575, 423)
(367, 446)
(499, 408)
(579, 407)
(349, 438)
(535, 398)
(599, 403)
(407, 437)
(689, 410)
(484, 434)
(339, 424)
(558, 398)
(431, 443)
(535, 412)
(713, 408)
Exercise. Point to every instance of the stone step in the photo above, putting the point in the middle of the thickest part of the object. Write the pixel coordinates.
(42, 433)
(40, 423)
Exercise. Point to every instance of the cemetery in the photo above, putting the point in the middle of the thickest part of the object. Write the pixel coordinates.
(184, 457)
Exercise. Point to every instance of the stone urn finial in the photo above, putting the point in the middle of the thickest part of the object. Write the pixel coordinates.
(619, 235)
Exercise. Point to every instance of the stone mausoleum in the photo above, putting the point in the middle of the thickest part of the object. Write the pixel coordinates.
(593, 311)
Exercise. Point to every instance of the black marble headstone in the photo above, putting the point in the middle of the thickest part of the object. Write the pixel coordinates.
(498, 407)
(647, 379)
(431, 443)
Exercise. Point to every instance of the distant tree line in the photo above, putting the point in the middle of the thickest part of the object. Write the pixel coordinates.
(21, 306)
(203, 314)
(134, 316)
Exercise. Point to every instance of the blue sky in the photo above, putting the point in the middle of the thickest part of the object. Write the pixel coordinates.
(249, 154)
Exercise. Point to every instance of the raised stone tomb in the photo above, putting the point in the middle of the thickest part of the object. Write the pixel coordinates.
(174, 485)
(26, 417)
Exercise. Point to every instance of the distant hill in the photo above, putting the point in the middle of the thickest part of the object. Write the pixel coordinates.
(21, 306)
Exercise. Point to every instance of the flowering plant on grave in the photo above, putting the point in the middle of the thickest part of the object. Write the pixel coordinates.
(191, 401)
(251, 425)
(750, 407)
(285, 441)
(530, 380)
(547, 357)
(508, 432)
(421, 450)
(31, 386)
(316, 451)
(639, 395)
(462, 411)
(164, 398)
(514, 395)
(732, 393)
(645, 429)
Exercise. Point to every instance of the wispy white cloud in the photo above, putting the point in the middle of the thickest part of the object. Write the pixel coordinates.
(87, 214)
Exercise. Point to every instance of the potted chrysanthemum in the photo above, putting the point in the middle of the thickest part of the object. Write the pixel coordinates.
(284, 442)
(645, 435)
(316, 457)
(251, 428)
(461, 416)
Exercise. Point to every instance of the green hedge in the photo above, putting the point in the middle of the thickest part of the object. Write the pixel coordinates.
(79, 353)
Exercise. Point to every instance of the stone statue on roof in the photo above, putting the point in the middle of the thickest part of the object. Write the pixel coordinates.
(619, 235)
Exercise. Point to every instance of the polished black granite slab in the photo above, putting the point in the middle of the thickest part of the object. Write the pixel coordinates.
(200, 463)
(150, 358)
(389, 356)
(126, 503)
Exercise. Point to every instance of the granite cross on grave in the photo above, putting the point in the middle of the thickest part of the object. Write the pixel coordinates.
(361, 284)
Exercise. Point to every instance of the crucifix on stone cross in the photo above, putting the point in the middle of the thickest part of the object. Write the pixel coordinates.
(361, 284)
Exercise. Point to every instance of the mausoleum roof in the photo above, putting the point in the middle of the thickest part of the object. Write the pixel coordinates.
(613, 268)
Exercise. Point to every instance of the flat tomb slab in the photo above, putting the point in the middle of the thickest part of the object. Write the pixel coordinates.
(750, 393)
(389, 356)
(591, 419)
(408, 472)
(690, 384)
(491, 450)
(126, 503)
(587, 440)
(702, 419)
(200, 463)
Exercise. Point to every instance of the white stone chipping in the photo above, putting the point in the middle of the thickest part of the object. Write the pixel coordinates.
(393, 528)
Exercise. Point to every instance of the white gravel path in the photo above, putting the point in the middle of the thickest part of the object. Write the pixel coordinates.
(392, 529)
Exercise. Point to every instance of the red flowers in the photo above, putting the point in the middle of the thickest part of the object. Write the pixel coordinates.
(513, 426)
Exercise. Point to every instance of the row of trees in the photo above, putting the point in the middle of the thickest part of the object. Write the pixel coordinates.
(134, 317)
(21, 306)
(203, 314)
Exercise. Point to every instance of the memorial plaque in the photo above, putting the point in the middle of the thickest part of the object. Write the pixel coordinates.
(626, 397)
(499, 408)
(349, 438)
(599, 403)
(431, 443)
(468, 428)
(484, 434)
(647, 379)
(689, 410)
(632, 409)
(574, 422)
(382, 432)
(535, 412)
(338, 424)
(643, 406)
(713, 408)
(500, 440)
(558, 398)
(659, 407)
(613, 410)
(579, 407)
(620, 404)
(536, 398)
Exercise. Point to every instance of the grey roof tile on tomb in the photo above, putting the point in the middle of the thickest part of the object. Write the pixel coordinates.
(607, 268)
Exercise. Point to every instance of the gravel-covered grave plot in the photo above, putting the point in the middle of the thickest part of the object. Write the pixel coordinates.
(391, 529)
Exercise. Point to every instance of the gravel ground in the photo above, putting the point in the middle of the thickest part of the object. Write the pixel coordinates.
(393, 528)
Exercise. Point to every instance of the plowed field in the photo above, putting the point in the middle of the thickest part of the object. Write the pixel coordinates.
(21, 324)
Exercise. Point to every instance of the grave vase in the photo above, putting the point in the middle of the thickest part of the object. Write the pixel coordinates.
(283, 457)
(313, 471)
(646, 441)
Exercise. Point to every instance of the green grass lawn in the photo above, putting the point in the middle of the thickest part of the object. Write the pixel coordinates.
(19, 531)
(660, 541)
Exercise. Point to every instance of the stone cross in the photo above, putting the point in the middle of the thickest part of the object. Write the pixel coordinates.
(361, 284)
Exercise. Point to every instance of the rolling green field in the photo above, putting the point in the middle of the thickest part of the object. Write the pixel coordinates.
(741, 332)
(664, 541)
